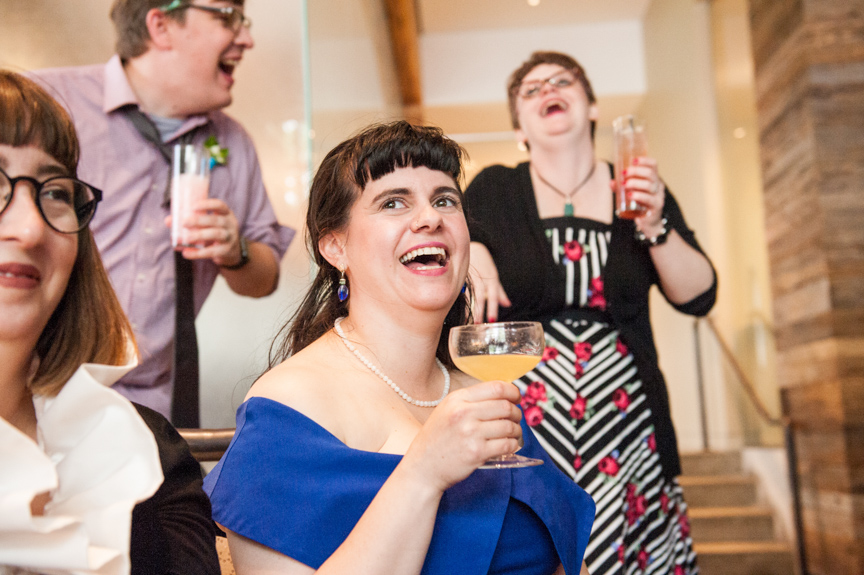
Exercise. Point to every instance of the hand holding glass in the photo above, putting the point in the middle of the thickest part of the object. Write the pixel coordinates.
(629, 135)
(504, 351)
(190, 182)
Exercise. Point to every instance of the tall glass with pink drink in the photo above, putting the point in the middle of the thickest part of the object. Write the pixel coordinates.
(630, 143)
(190, 183)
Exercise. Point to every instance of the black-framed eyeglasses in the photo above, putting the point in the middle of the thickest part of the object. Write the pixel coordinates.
(532, 88)
(232, 16)
(67, 205)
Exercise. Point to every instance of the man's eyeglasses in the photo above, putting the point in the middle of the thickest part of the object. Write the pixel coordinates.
(232, 17)
(532, 88)
(66, 204)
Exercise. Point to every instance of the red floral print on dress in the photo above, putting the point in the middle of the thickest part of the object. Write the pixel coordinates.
(583, 350)
(549, 353)
(621, 554)
(679, 570)
(621, 399)
(664, 502)
(533, 415)
(652, 443)
(573, 250)
(609, 466)
(577, 410)
(684, 522)
(597, 298)
(620, 347)
(642, 559)
(578, 370)
(535, 392)
(577, 462)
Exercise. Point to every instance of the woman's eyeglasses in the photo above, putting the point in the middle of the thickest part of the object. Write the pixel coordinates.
(532, 88)
(67, 205)
(232, 16)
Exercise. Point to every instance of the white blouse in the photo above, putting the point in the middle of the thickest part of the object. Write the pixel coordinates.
(97, 458)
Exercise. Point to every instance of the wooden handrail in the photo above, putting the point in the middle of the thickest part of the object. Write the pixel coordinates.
(743, 379)
(207, 444)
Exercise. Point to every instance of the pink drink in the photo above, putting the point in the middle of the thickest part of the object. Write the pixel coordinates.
(190, 183)
(629, 144)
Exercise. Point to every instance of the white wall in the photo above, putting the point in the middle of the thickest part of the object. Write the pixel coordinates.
(470, 67)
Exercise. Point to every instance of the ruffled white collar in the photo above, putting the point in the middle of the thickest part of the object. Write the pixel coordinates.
(97, 458)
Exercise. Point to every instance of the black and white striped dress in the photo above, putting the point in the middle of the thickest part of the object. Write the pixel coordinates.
(586, 405)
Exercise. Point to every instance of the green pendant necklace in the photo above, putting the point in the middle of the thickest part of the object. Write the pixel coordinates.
(568, 204)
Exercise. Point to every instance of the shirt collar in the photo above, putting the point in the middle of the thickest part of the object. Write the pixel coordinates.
(119, 93)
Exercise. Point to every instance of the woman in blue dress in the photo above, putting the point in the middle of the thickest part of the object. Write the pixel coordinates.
(358, 451)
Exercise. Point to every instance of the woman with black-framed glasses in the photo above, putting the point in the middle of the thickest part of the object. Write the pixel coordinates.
(547, 246)
(66, 204)
(76, 456)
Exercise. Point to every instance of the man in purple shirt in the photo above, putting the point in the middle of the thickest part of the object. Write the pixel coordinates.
(175, 63)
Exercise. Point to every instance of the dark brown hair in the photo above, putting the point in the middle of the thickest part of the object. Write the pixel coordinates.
(535, 60)
(344, 173)
(130, 24)
(88, 325)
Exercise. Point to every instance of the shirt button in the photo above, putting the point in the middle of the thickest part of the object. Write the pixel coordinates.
(141, 277)
(148, 230)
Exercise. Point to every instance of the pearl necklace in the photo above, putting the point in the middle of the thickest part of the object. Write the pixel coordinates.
(386, 379)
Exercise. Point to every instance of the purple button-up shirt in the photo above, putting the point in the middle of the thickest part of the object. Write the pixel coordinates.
(129, 224)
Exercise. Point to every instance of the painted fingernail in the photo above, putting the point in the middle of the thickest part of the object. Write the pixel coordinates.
(624, 172)
(493, 319)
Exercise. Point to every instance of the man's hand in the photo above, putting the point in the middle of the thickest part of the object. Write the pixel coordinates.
(214, 232)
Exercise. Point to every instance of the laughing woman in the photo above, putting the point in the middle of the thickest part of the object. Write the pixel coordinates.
(545, 235)
(358, 451)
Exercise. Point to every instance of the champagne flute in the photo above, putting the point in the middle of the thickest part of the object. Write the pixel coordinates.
(505, 351)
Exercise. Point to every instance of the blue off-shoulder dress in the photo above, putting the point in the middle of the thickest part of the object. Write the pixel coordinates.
(289, 484)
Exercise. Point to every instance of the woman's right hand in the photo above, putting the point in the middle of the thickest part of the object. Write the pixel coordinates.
(471, 425)
(488, 291)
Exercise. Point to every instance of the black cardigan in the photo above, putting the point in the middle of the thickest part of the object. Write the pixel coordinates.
(173, 532)
(503, 216)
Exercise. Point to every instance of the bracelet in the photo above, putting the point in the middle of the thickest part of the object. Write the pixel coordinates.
(657, 240)
(244, 256)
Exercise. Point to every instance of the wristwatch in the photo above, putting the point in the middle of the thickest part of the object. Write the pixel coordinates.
(657, 240)
(244, 256)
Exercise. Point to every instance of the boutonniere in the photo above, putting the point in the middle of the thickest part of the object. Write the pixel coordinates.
(218, 154)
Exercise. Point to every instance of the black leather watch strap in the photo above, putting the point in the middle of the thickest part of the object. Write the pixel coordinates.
(244, 256)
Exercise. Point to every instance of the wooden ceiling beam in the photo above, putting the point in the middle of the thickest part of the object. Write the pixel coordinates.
(404, 39)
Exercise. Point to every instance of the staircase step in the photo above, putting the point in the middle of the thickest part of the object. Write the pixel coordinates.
(718, 490)
(745, 558)
(749, 523)
(711, 463)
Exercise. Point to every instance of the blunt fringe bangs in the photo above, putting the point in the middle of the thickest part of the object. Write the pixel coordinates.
(343, 174)
(30, 117)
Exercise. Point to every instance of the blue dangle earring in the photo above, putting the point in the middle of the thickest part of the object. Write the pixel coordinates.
(342, 292)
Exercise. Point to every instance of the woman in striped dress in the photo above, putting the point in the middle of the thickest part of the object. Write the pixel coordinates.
(544, 234)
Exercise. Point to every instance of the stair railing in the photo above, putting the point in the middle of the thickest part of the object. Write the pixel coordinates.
(764, 413)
